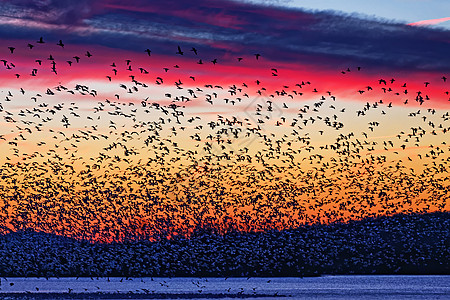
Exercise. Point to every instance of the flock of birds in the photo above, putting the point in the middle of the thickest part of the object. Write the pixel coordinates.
(151, 159)
(400, 244)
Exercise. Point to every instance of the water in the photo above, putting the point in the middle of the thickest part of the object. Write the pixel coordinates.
(326, 287)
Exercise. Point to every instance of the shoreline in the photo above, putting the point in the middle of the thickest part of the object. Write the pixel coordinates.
(136, 295)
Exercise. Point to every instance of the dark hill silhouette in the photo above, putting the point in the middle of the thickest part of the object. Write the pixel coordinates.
(399, 244)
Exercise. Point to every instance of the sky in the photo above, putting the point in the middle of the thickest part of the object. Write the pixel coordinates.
(160, 117)
(402, 11)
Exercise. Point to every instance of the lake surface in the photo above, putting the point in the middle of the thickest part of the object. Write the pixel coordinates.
(326, 287)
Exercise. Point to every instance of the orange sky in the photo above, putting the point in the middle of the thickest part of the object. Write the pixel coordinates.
(88, 157)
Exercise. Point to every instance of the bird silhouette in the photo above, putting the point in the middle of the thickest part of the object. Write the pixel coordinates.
(181, 163)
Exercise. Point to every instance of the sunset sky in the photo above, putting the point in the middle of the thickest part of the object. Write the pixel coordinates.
(156, 116)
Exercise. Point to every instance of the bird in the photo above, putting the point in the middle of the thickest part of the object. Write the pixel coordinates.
(146, 168)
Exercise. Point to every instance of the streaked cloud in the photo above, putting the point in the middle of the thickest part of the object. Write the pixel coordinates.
(279, 33)
(430, 22)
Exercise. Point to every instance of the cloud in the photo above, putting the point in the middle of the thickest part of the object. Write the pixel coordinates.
(65, 12)
(430, 22)
(227, 28)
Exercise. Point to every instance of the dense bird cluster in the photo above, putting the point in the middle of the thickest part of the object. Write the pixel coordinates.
(401, 244)
(143, 154)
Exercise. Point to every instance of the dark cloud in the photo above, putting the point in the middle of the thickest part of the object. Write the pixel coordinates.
(280, 34)
(63, 12)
